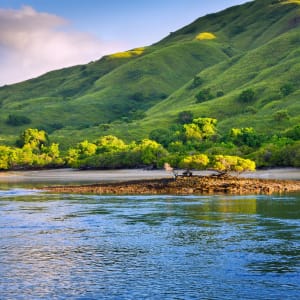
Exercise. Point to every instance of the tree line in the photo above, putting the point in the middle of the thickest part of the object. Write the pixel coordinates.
(193, 143)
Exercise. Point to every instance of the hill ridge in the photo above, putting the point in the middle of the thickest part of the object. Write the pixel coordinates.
(254, 46)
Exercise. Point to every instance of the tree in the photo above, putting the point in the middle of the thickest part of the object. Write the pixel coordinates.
(204, 95)
(197, 81)
(72, 157)
(220, 94)
(185, 117)
(207, 126)
(227, 163)
(286, 89)
(192, 132)
(293, 133)
(247, 96)
(109, 143)
(197, 161)
(86, 149)
(7, 157)
(200, 129)
(162, 136)
(281, 115)
(33, 138)
(15, 120)
(245, 136)
(151, 152)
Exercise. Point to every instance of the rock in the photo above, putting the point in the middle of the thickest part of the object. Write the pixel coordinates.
(186, 186)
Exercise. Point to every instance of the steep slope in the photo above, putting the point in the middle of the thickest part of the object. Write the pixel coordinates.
(251, 46)
(265, 70)
(116, 87)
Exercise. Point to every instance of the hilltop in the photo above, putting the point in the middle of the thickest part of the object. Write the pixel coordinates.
(203, 68)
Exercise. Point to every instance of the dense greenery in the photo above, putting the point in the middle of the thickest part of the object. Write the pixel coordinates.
(220, 93)
(195, 145)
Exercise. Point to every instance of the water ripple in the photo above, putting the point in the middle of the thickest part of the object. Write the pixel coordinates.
(148, 247)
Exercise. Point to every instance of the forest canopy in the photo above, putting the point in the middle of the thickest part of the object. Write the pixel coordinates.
(193, 145)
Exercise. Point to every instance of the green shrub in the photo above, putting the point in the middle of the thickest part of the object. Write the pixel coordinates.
(293, 133)
(220, 94)
(15, 120)
(247, 96)
(286, 89)
(185, 117)
(196, 82)
(251, 110)
(281, 115)
(204, 95)
(161, 136)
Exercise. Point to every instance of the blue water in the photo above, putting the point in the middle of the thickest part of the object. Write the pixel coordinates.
(148, 247)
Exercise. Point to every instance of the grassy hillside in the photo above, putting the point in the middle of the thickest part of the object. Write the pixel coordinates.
(254, 47)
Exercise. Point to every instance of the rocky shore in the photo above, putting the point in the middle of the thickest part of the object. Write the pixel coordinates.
(185, 186)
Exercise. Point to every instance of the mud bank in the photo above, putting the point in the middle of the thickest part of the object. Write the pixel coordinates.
(184, 186)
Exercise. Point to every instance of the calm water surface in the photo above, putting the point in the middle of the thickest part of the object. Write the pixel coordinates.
(148, 247)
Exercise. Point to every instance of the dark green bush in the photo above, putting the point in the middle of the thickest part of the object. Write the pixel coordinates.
(247, 96)
(15, 120)
(185, 117)
(196, 82)
(286, 89)
(220, 94)
(204, 95)
(281, 115)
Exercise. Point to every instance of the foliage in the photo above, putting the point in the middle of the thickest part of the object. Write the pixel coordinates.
(15, 120)
(192, 132)
(245, 136)
(256, 49)
(287, 89)
(220, 94)
(205, 36)
(281, 115)
(247, 96)
(150, 152)
(109, 143)
(197, 161)
(293, 133)
(185, 117)
(34, 138)
(161, 136)
(227, 163)
(35, 152)
(207, 126)
(197, 81)
(280, 151)
(204, 95)
(7, 157)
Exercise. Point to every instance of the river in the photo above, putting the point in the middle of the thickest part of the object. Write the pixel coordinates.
(61, 246)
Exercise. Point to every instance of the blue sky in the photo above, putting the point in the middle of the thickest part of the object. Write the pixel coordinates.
(41, 35)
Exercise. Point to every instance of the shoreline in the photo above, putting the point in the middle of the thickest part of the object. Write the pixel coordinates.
(183, 186)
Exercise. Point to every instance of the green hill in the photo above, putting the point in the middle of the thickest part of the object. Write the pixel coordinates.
(203, 67)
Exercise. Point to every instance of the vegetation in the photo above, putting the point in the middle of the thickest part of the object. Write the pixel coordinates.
(227, 163)
(239, 66)
(15, 120)
(204, 95)
(205, 36)
(247, 96)
(195, 145)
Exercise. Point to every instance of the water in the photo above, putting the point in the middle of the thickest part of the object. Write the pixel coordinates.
(148, 247)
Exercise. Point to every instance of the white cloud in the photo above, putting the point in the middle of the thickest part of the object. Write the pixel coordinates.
(32, 43)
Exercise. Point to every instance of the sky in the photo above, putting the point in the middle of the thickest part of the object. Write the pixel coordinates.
(37, 36)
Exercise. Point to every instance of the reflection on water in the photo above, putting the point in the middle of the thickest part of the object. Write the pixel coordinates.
(148, 247)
